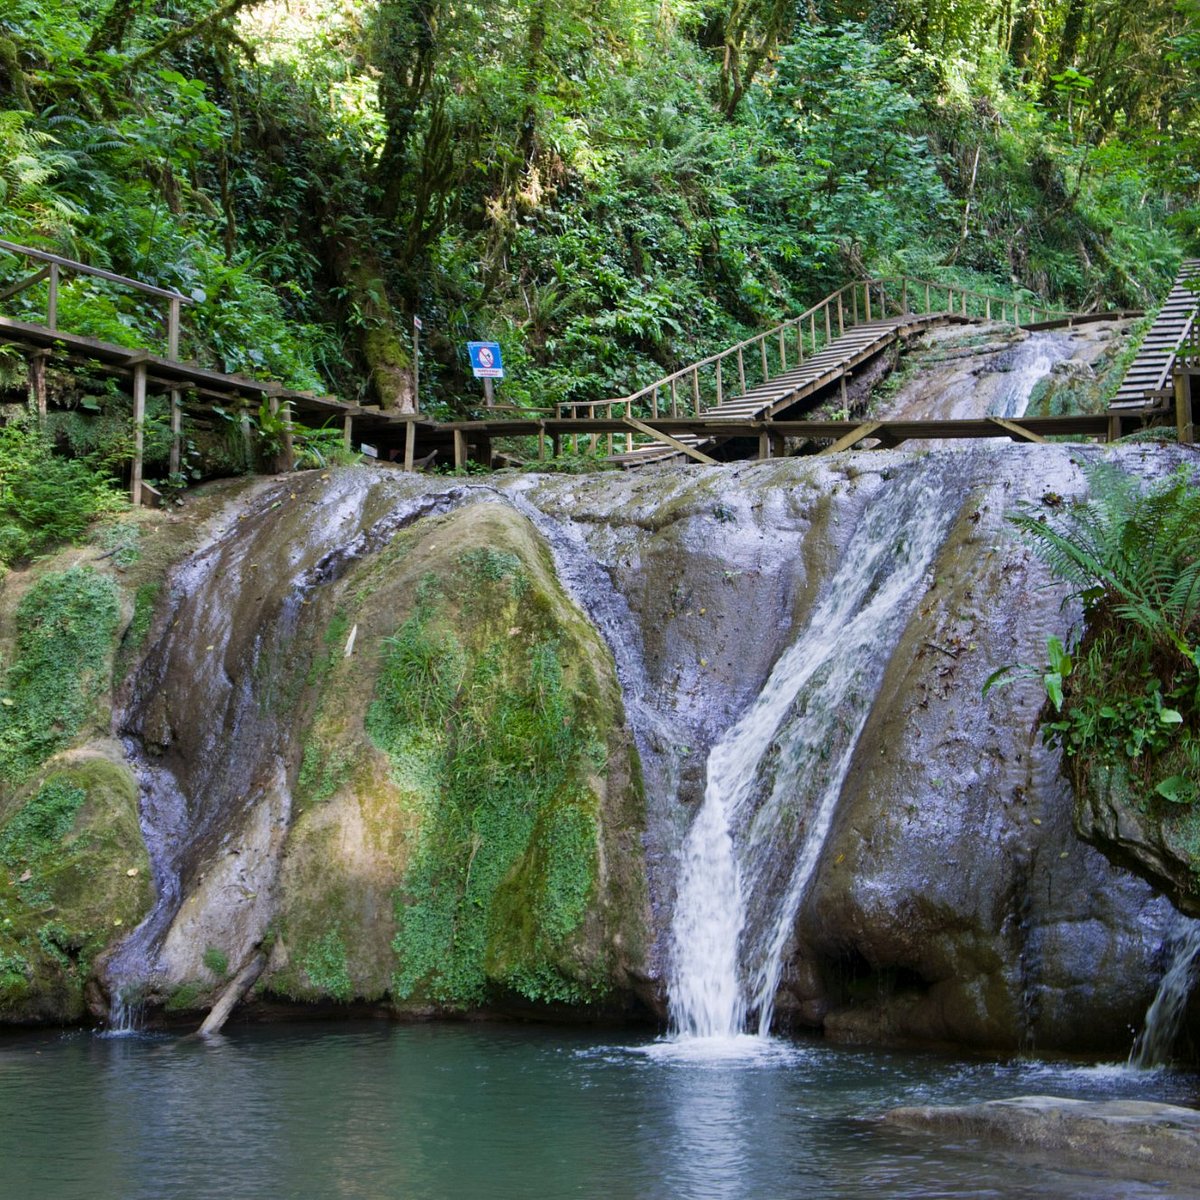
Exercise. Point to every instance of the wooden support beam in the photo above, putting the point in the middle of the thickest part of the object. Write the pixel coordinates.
(139, 433)
(37, 381)
(764, 445)
(1183, 407)
(22, 284)
(1114, 426)
(666, 439)
(176, 460)
(853, 437)
(460, 449)
(347, 430)
(1017, 431)
(286, 458)
(410, 444)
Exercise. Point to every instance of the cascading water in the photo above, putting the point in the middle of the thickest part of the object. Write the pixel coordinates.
(774, 779)
(1152, 1047)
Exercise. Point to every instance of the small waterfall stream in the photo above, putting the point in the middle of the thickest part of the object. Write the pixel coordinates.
(774, 779)
(1153, 1045)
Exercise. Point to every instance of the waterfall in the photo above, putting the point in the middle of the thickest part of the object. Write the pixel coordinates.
(774, 779)
(1152, 1047)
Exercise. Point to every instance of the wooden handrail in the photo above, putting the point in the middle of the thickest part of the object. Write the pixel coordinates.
(83, 269)
(56, 263)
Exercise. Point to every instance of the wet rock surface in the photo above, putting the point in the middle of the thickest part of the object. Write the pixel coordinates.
(1137, 1137)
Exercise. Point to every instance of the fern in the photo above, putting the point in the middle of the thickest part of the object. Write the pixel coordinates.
(1133, 550)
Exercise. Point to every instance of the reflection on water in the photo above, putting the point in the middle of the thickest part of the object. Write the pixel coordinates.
(450, 1111)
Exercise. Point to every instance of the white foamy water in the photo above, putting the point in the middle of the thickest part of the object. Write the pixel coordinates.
(1152, 1048)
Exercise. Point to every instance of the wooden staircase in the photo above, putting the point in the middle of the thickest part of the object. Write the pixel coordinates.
(1147, 382)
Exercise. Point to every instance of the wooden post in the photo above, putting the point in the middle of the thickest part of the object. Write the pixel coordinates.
(854, 298)
(347, 430)
(556, 444)
(37, 382)
(410, 444)
(541, 445)
(741, 373)
(695, 390)
(52, 302)
(608, 437)
(927, 308)
(988, 308)
(460, 449)
(173, 309)
(674, 398)
(1114, 426)
(867, 298)
(882, 299)
(965, 298)
(286, 459)
(764, 445)
(904, 294)
(812, 330)
(828, 328)
(800, 343)
(654, 398)
(139, 433)
(1183, 407)
(782, 352)
(845, 398)
(720, 388)
(416, 366)
(762, 352)
(841, 316)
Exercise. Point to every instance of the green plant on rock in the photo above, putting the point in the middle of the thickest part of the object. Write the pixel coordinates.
(216, 961)
(65, 626)
(1130, 692)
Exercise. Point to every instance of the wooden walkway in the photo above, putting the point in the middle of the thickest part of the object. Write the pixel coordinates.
(740, 402)
(802, 358)
(1148, 381)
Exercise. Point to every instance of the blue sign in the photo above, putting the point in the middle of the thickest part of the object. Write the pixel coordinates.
(485, 360)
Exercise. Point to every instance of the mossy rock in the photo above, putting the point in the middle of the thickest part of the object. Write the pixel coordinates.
(74, 879)
(470, 804)
(1154, 838)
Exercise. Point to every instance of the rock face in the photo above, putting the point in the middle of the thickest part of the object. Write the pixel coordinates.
(1137, 1135)
(435, 746)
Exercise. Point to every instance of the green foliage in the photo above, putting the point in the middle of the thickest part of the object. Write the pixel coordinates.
(216, 961)
(45, 499)
(499, 747)
(1131, 692)
(324, 962)
(38, 826)
(65, 625)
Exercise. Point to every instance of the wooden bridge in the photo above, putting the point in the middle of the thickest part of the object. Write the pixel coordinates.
(802, 358)
(744, 400)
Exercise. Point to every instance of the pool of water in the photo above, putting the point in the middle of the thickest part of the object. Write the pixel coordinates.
(493, 1111)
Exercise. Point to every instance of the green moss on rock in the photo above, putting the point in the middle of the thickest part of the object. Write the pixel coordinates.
(465, 782)
(65, 627)
(74, 878)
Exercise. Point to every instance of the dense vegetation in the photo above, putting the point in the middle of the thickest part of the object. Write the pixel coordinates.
(606, 189)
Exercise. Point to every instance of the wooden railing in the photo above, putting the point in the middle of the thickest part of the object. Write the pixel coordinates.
(53, 272)
(703, 386)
